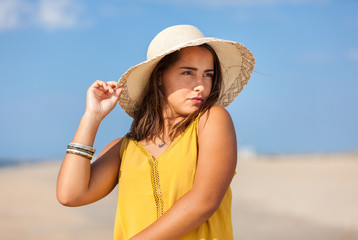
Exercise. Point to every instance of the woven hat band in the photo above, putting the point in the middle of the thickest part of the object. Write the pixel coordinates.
(171, 38)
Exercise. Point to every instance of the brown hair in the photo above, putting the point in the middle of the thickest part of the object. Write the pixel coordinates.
(148, 121)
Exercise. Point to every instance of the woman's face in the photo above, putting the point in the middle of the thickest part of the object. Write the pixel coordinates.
(187, 83)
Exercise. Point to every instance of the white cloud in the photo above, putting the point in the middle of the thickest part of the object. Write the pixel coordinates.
(49, 14)
(13, 12)
(58, 13)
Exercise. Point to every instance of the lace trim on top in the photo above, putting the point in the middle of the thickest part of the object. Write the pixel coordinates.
(154, 173)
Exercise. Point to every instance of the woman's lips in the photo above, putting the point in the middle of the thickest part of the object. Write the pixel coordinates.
(197, 100)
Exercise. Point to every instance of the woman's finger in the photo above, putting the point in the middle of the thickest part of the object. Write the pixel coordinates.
(112, 83)
(97, 83)
(101, 85)
(112, 86)
(105, 87)
(116, 94)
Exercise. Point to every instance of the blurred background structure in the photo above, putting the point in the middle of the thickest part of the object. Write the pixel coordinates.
(296, 120)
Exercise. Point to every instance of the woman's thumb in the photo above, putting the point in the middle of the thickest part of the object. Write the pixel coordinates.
(116, 94)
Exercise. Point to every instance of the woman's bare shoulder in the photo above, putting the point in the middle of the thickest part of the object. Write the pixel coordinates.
(112, 149)
(215, 117)
(116, 143)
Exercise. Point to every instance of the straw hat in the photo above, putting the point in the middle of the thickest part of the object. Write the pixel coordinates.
(237, 64)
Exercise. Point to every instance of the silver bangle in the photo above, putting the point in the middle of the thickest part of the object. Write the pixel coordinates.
(82, 146)
(80, 149)
(80, 153)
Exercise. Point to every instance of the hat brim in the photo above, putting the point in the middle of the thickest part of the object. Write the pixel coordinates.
(237, 64)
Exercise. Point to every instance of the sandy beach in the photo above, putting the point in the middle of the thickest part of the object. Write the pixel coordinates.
(274, 197)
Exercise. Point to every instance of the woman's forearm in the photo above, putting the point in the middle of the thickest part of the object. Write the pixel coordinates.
(184, 216)
(87, 130)
(74, 176)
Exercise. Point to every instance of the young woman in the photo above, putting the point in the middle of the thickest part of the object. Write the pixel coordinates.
(174, 167)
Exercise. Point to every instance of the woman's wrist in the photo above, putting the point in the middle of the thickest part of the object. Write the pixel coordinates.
(93, 117)
(87, 129)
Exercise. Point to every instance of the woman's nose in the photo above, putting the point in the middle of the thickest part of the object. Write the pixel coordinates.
(199, 85)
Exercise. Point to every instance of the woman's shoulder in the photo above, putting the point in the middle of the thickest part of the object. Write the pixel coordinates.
(116, 142)
(114, 145)
(216, 133)
(214, 117)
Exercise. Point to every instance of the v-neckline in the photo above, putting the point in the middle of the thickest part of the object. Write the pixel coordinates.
(146, 152)
(171, 145)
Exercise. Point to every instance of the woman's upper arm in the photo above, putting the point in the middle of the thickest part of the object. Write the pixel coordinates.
(217, 155)
(104, 171)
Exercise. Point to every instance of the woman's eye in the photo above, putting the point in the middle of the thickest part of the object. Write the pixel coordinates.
(186, 73)
(210, 75)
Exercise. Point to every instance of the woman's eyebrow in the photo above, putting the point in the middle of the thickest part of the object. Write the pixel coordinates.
(195, 69)
(189, 68)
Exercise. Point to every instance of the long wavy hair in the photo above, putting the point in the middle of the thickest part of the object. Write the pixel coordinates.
(148, 122)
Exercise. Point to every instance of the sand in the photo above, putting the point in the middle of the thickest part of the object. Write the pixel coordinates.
(274, 197)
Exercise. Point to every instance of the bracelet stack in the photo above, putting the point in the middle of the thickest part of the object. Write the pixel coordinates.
(81, 150)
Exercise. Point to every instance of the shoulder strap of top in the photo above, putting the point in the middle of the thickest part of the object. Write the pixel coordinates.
(196, 124)
(124, 145)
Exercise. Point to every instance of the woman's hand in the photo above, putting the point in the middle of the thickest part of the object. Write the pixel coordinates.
(102, 98)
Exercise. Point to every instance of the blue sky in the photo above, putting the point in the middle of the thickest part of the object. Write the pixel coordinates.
(302, 96)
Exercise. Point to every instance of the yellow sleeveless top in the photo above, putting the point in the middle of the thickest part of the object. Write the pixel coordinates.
(148, 187)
